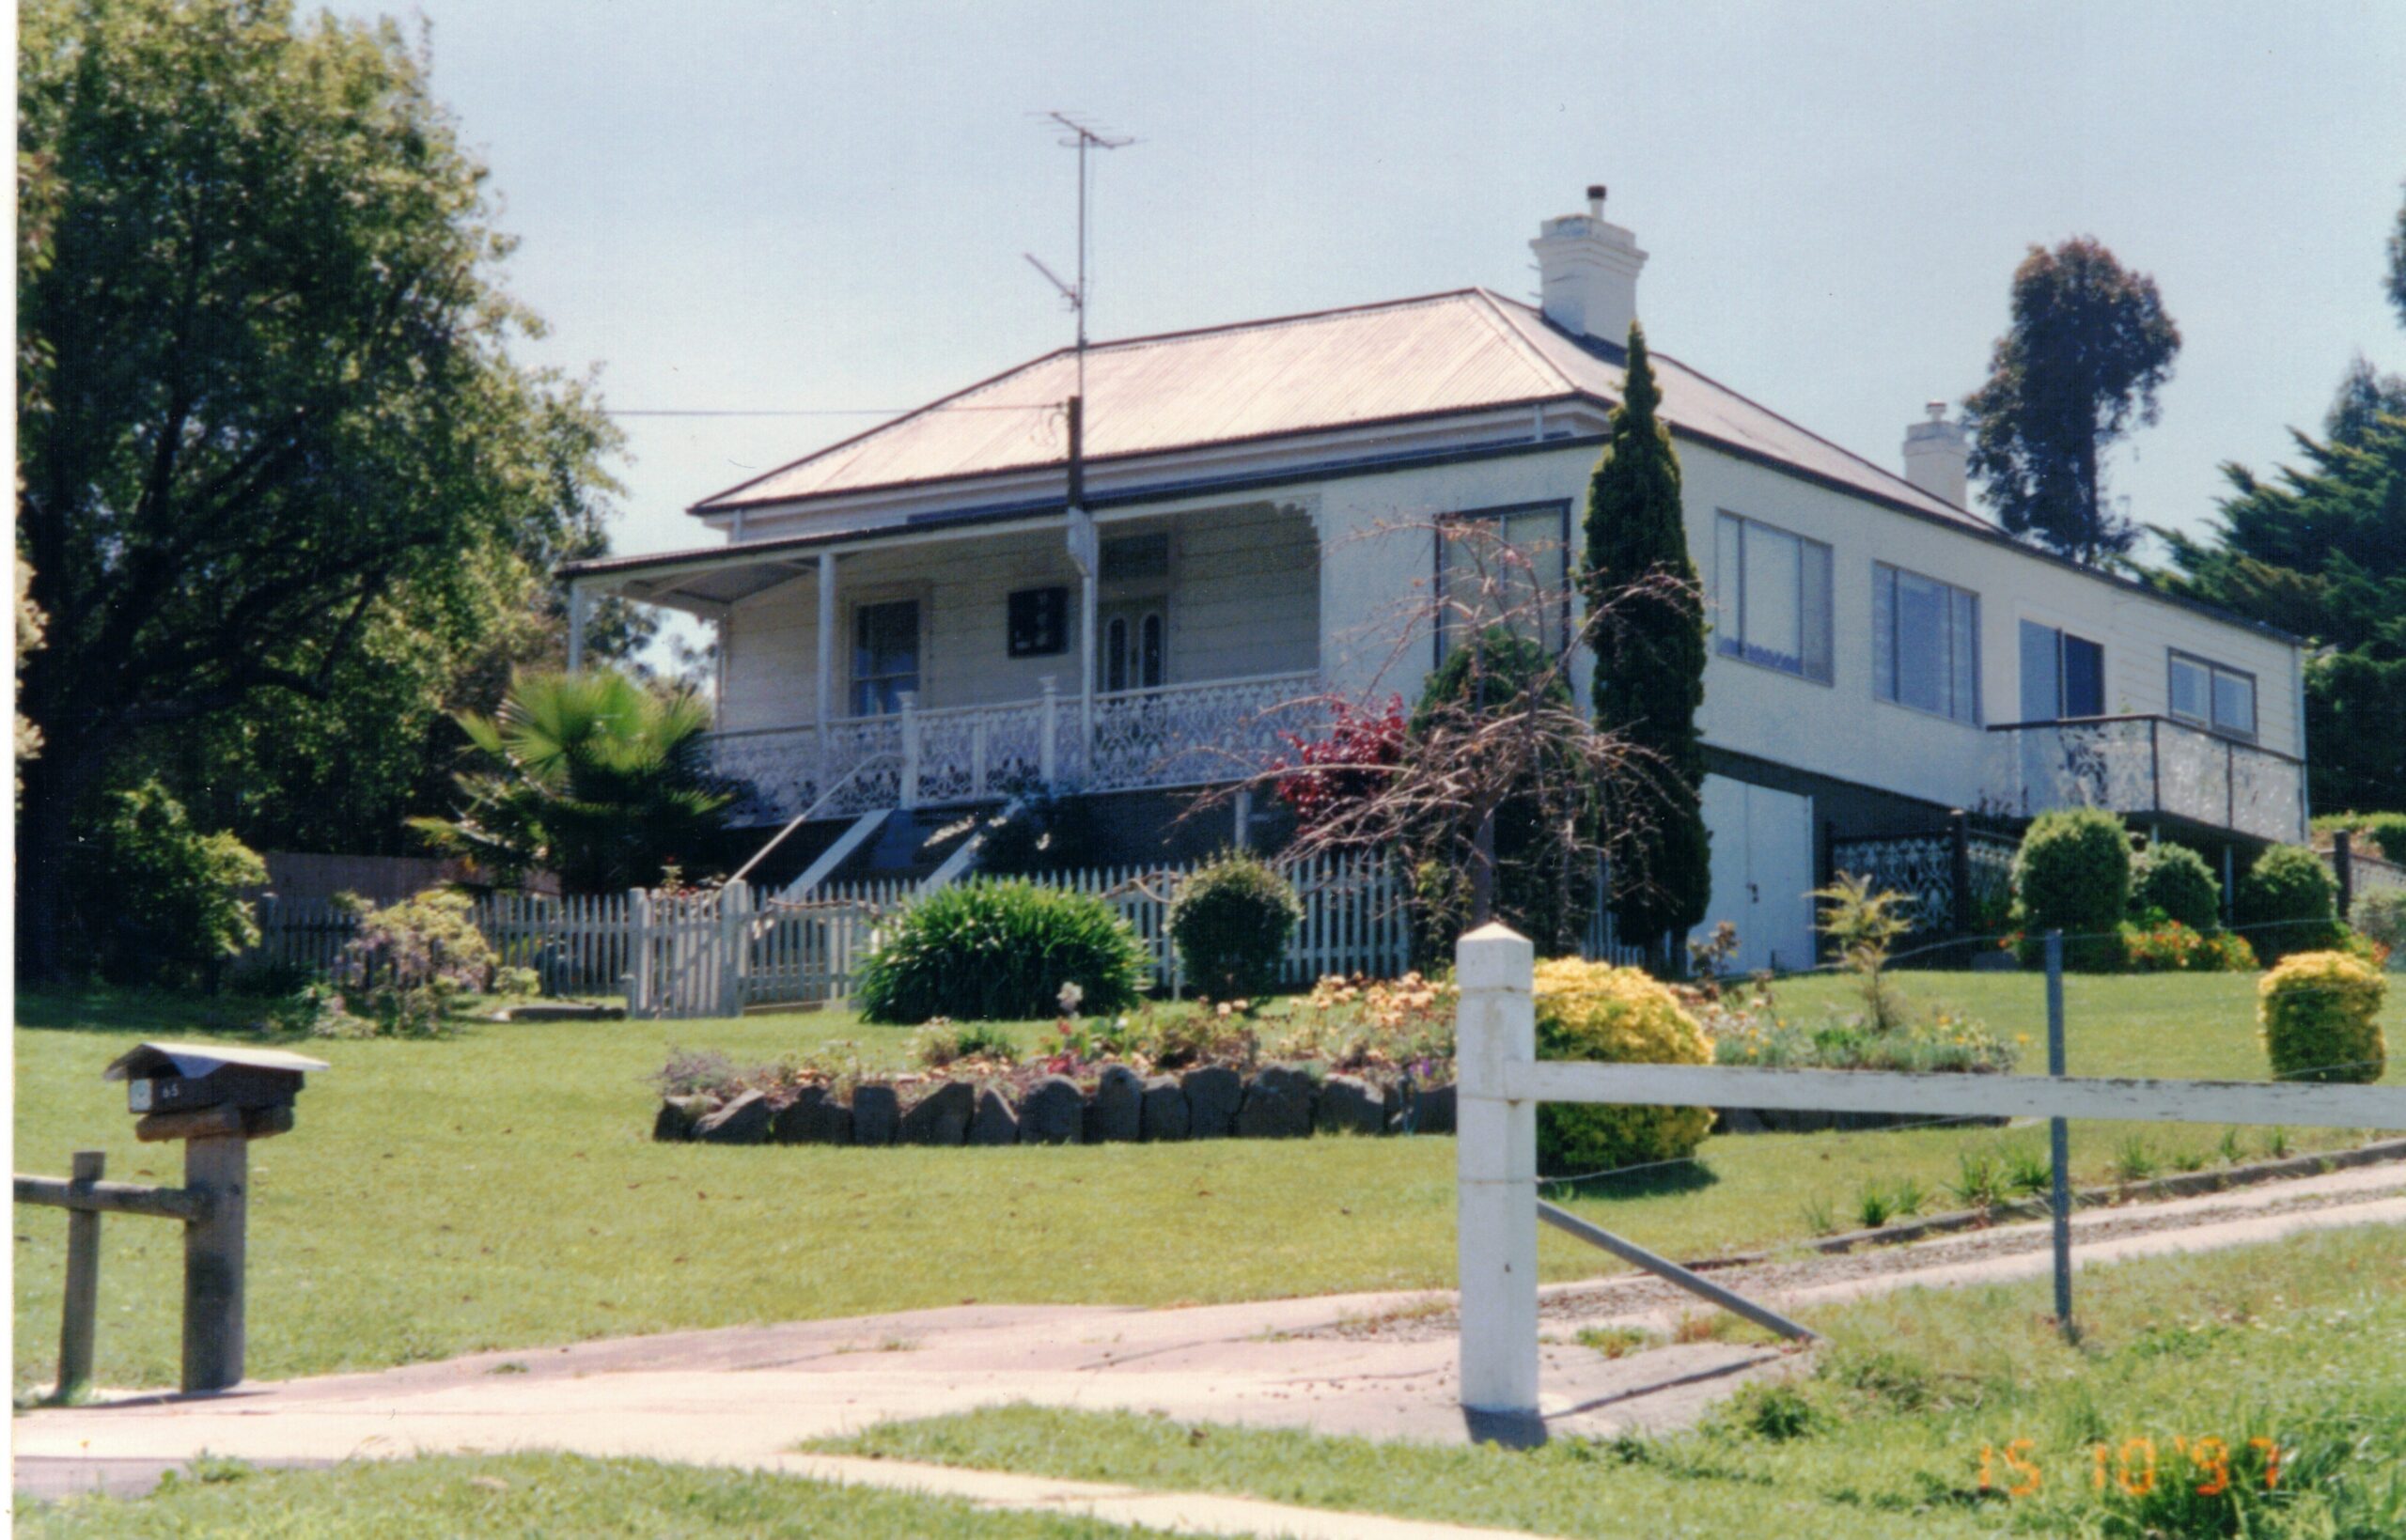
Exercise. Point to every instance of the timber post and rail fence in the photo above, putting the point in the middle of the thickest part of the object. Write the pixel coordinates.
(1502, 1083)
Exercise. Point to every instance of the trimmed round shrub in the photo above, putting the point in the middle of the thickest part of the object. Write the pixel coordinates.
(987, 951)
(2387, 832)
(2320, 1013)
(2177, 881)
(1231, 923)
(1596, 1012)
(2288, 903)
(2380, 917)
(2073, 874)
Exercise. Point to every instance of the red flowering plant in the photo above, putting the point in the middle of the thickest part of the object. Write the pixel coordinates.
(1331, 773)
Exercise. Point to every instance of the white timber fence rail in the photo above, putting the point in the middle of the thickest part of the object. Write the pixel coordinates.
(1502, 1083)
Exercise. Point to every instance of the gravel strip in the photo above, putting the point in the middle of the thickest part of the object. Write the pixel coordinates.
(1635, 1292)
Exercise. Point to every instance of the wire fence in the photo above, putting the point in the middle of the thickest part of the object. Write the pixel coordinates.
(1649, 1174)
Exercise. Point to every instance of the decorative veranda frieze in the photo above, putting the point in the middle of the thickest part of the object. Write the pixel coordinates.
(1142, 739)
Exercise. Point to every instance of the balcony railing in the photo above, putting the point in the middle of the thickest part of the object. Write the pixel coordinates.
(2148, 766)
(1175, 735)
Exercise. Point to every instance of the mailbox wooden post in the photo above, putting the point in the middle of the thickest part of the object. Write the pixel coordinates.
(220, 1168)
(216, 1101)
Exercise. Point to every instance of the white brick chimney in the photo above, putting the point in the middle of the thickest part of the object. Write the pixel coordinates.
(1587, 272)
(1938, 456)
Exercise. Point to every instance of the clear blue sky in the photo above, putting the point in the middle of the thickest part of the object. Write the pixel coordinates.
(738, 205)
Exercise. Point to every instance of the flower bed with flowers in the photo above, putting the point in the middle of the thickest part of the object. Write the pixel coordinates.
(1746, 1030)
(1355, 1056)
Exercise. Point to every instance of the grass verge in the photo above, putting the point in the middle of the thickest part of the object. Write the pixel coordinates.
(499, 1190)
(2302, 1345)
(528, 1494)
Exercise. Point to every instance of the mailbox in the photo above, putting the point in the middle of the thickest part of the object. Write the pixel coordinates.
(247, 1087)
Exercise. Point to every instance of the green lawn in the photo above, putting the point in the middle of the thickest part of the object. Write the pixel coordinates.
(499, 1190)
(2302, 1344)
(530, 1495)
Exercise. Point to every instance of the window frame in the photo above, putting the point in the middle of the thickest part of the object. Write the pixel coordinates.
(1885, 689)
(1560, 507)
(855, 679)
(1724, 646)
(2059, 652)
(2174, 657)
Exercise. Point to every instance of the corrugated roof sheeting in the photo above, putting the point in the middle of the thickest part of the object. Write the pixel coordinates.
(1463, 351)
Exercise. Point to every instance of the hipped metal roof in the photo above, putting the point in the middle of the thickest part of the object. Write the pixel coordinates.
(1465, 352)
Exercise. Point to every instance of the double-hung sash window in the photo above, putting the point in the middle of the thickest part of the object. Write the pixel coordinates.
(2063, 675)
(2210, 696)
(1925, 644)
(886, 656)
(1774, 594)
(1505, 566)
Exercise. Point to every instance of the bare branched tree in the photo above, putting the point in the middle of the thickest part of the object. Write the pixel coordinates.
(1498, 781)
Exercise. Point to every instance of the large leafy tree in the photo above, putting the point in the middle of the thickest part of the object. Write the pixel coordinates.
(2087, 348)
(595, 776)
(2320, 550)
(2397, 283)
(1649, 663)
(281, 478)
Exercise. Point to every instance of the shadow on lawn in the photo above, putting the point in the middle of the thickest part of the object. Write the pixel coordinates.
(1639, 1182)
(153, 1013)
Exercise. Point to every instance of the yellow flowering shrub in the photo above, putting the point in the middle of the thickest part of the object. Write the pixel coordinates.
(1597, 1012)
(2319, 1016)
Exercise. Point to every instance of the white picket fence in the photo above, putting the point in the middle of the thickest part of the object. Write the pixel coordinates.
(714, 953)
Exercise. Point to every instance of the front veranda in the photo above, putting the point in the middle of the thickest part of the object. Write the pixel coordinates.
(902, 667)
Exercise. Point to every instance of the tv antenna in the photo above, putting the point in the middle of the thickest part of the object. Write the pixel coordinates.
(1083, 137)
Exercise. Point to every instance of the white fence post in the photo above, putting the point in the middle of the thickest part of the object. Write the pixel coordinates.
(1495, 1155)
(639, 952)
(734, 935)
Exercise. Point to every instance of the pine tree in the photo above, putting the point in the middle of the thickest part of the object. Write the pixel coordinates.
(1649, 663)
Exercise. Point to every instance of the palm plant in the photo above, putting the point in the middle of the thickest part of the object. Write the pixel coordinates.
(600, 780)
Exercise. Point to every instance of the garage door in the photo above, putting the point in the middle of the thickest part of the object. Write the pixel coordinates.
(1762, 873)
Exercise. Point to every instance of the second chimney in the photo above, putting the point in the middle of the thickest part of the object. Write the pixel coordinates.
(1587, 272)
(1938, 457)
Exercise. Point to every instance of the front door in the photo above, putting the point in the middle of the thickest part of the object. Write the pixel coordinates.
(1131, 646)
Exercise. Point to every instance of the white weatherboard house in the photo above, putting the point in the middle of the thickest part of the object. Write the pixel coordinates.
(916, 621)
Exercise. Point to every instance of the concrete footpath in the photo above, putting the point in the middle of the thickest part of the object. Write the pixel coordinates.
(746, 1396)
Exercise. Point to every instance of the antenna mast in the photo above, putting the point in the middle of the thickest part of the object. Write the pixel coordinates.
(1083, 138)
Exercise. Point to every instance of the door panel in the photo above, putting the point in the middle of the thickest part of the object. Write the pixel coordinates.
(1762, 871)
(1725, 815)
(1779, 861)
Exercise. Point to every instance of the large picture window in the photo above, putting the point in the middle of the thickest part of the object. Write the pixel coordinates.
(1774, 597)
(1925, 644)
(2063, 675)
(2213, 696)
(886, 656)
(1497, 563)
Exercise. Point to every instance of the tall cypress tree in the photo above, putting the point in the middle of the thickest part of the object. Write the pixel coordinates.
(1649, 663)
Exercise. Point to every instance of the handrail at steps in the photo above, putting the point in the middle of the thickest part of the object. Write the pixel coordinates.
(807, 814)
(959, 860)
